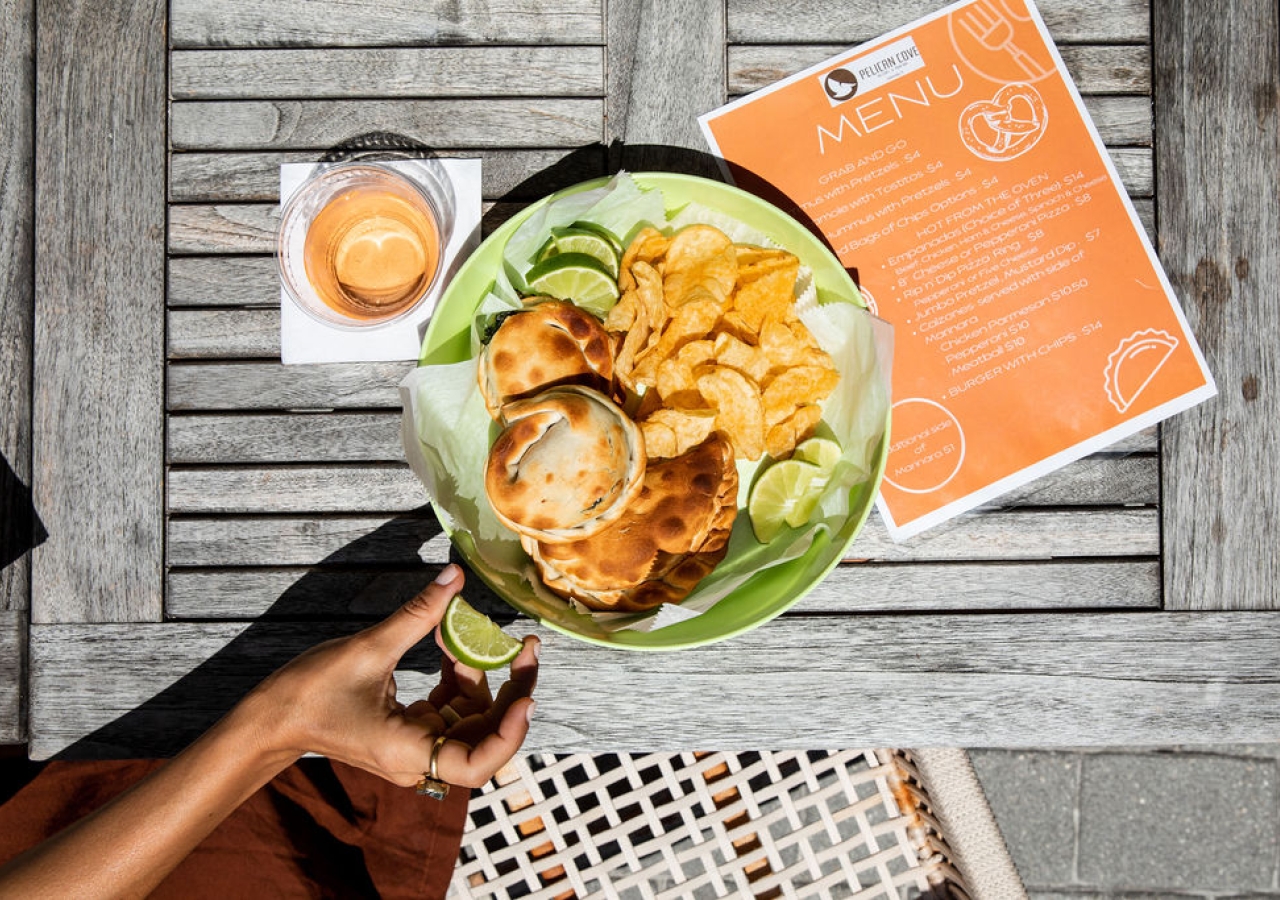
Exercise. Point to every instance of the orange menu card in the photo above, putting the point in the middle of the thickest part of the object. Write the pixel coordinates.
(953, 165)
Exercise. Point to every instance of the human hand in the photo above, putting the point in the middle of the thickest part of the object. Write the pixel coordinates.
(339, 700)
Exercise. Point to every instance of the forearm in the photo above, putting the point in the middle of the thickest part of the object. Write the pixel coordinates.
(127, 847)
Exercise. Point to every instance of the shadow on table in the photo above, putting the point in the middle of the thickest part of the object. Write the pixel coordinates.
(20, 527)
(350, 589)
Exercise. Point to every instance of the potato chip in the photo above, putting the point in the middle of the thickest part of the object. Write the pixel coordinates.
(623, 314)
(796, 387)
(695, 353)
(736, 354)
(781, 439)
(647, 246)
(691, 426)
(770, 294)
(659, 439)
(788, 346)
(674, 377)
(693, 243)
(716, 275)
(690, 322)
(739, 411)
(749, 253)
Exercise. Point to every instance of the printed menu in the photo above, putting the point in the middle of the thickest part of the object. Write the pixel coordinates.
(953, 166)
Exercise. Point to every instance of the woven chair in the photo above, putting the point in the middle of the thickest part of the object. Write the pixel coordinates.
(848, 823)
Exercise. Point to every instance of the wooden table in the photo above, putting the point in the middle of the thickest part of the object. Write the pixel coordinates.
(204, 512)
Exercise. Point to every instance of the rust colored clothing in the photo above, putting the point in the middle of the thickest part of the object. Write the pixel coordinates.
(319, 829)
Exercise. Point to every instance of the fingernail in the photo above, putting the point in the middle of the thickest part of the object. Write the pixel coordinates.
(448, 574)
(528, 711)
(537, 649)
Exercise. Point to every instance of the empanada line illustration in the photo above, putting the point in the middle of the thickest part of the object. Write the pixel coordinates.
(1133, 364)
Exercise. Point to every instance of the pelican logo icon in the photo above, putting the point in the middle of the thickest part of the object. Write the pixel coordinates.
(840, 85)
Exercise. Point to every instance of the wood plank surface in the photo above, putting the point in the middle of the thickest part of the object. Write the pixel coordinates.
(322, 124)
(318, 23)
(270, 385)
(13, 676)
(355, 539)
(285, 438)
(666, 67)
(834, 21)
(1218, 157)
(387, 72)
(293, 592)
(248, 176)
(18, 530)
(98, 415)
(871, 680)
(1096, 69)
(383, 487)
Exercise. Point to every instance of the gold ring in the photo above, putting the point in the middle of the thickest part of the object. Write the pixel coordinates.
(431, 785)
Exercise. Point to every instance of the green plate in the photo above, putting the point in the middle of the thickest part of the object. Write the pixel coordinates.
(769, 592)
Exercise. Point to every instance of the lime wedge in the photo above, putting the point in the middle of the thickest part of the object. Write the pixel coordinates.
(576, 277)
(784, 494)
(823, 453)
(579, 240)
(475, 639)
(602, 231)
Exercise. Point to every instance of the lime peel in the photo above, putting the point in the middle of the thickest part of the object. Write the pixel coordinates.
(474, 639)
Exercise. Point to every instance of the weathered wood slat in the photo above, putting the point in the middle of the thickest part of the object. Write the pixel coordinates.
(284, 592)
(224, 281)
(251, 227)
(1021, 534)
(1119, 69)
(307, 541)
(323, 124)
(666, 67)
(13, 676)
(387, 72)
(290, 592)
(224, 333)
(833, 21)
(1029, 534)
(1218, 117)
(241, 177)
(1100, 481)
(213, 439)
(287, 438)
(974, 587)
(873, 680)
(318, 23)
(263, 386)
(99, 305)
(17, 517)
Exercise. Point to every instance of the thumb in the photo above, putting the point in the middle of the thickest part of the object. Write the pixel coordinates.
(395, 635)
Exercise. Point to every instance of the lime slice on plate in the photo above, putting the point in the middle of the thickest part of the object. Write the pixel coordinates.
(784, 494)
(822, 452)
(474, 639)
(579, 240)
(576, 277)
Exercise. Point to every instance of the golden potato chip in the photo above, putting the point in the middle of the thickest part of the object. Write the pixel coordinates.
(693, 243)
(674, 376)
(690, 426)
(736, 354)
(623, 314)
(732, 323)
(659, 439)
(750, 272)
(695, 353)
(789, 344)
(781, 439)
(716, 275)
(749, 253)
(690, 322)
(772, 293)
(796, 387)
(647, 246)
(739, 411)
